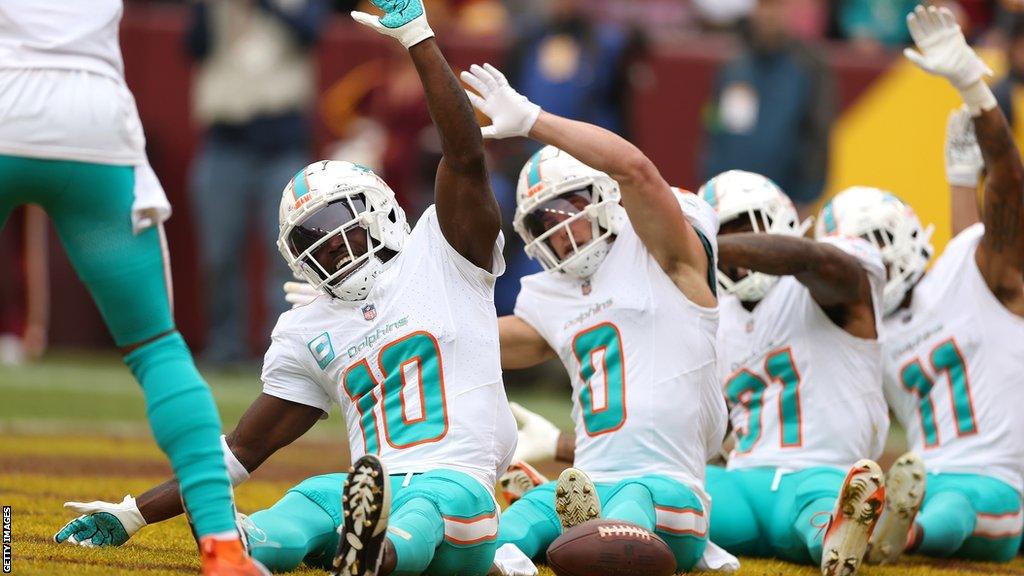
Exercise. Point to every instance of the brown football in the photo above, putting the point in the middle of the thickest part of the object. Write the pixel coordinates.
(610, 548)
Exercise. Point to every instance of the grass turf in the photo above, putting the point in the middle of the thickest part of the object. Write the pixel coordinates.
(73, 428)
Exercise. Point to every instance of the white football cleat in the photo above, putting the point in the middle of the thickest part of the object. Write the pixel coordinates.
(365, 504)
(904, 492)
(520, 479)
(576, 499)
(858, 507)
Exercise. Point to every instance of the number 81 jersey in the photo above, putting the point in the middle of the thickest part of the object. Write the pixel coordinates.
(415, 366)
(802, 391)
(953, 364)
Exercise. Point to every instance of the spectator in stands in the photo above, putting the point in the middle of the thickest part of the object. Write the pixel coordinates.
(252, 93)
(875, 23)
(771, 110)
(574, 67)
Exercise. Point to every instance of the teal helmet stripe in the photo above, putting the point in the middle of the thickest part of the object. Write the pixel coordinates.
(533, 177)
(830, 218)
(299, 186)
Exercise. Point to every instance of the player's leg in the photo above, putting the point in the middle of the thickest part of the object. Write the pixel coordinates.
(531, 524)
(301, 526)
(806, 502)
(734, 522)
(905, 487)
(860, 503)
(443, 522)
(670, 509)
(128, 278)
(968, 516)
(219, 184)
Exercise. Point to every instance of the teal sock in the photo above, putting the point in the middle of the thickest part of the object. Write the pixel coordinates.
(185, 423)
(531, 523)
(947, 519)
(632, 503)
(811, 523)
(416, 529)
(293, 529)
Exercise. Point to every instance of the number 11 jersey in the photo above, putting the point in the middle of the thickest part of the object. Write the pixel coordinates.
(954, 364)
(415, 366)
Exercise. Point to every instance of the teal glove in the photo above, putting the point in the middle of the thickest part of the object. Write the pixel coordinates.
(404, 20)
(101, 523)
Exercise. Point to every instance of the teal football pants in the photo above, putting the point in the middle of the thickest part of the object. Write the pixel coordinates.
(442, 523)
(662, 505)
(90, 206)
(752, 517)
(970, 516)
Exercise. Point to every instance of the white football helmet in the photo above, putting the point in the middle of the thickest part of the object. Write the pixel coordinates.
(738, 194)
(335, 217)
(891, 225)
(556, 190)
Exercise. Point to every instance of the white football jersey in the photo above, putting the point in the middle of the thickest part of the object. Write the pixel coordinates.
(415, 367)
(802, 391)
(954, 363)
(69, 35)
(641, 358)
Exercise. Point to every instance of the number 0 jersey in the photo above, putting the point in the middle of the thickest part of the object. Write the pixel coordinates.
(641, 358)
(802, 391)
(415, 367)
(953, 366)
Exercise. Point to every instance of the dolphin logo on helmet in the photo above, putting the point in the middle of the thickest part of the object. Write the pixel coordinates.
(339, 224)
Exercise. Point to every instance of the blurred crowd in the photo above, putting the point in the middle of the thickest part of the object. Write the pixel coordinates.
(255, 100)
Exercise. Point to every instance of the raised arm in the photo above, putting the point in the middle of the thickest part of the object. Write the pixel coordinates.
(466, 209)
(837, 281)
(942, 50)
(267, 426)
(964, 165)
(649, 201)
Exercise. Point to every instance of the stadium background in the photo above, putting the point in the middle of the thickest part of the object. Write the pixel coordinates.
(72, 426)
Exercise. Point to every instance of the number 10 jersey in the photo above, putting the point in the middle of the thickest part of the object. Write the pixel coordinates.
(415, 366)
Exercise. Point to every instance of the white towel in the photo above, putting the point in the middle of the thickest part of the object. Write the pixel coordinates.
(151, 207)
(717, 560)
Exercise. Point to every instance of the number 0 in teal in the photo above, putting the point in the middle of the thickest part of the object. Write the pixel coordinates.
(417, 355)
(600, 349)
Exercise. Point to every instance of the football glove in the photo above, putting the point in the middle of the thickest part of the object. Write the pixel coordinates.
(101, 523)
(538, 438)
(299, 293)
(511, 113)
(403, 20)
(964, 162)
(942, 50)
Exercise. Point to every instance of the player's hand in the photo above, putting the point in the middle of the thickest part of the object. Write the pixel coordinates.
(511, 113)
(299, 293)
(538, 437)
(964, 162)
(942, 49)
(403, 20)
(101, 523)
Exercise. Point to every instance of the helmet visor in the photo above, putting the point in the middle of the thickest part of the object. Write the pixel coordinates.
(332, 240)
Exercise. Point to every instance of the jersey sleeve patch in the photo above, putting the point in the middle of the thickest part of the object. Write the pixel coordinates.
(287, 377)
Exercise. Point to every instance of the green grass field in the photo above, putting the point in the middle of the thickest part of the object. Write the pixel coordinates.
(73, 428)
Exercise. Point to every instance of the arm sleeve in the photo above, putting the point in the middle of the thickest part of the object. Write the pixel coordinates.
(286, 377)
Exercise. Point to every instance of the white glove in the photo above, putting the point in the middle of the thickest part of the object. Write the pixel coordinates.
(101, 523)
(942, 50)
(538, 438)
(511, 113)
(299, 293)
(964, 162)
(403, 20)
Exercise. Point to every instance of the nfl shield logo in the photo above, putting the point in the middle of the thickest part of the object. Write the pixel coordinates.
(369, 312)
(586, 288)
